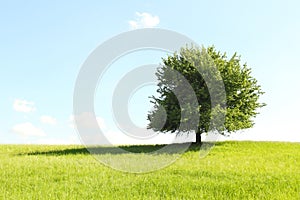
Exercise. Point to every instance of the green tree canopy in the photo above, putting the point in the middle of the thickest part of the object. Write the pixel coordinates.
(242, 93)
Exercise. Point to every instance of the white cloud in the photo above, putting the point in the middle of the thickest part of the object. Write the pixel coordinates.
(23, 106)
(48, 120)
(85, 120)
(27, 129)
(144, 20)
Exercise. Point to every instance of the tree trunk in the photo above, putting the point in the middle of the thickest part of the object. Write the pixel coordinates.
(198, 138)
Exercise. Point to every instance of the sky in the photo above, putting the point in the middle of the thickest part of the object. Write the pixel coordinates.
(43, 45)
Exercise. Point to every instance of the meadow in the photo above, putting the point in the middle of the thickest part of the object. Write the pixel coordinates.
(232, 170)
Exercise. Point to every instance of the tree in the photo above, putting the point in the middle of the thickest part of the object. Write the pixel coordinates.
(242, 93)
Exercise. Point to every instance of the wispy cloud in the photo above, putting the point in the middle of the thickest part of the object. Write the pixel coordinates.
(28, 129)
(144, 20)
(20, 105)
(85, 120)
(48, 120)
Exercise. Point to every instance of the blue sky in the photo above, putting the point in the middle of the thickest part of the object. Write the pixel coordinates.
(43, 45)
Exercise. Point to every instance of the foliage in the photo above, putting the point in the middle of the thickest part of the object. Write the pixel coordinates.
(241, 90)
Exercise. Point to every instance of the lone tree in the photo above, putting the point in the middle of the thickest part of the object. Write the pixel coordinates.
(242, 93)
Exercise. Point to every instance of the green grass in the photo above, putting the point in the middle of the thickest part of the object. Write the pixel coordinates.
(232, 170)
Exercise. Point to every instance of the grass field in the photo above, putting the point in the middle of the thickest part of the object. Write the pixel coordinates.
(232, 170)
